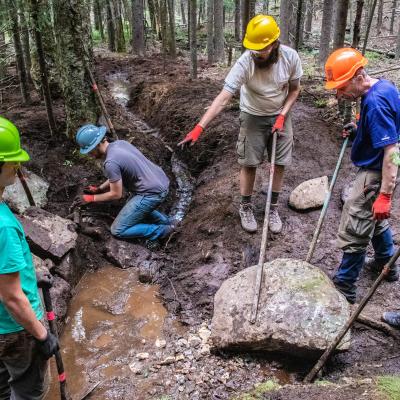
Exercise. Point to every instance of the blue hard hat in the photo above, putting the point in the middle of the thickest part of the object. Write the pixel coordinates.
(89, 136)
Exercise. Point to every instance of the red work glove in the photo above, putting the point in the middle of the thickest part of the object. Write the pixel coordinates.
(193, 135)
(92, 189)
(381, 206)
(81, 200)
(279, 123)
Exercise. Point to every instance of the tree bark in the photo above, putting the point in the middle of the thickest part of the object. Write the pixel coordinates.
(183, 12)
(75, 57)
(110, 27)
(397, 53)
(42, 64)
(153, 17)
(193, 39)
(252, 8)
(172, 37)
(245, 15)
(324, 45)
(265, 8)
(394, 5)
(210, 31)
(22, 76)
(379, 18)
(138, 46)
(285, 14)
(25, 40)
(340, 23)
(298, 24)
(218, 31)
(309, 16)
(370, 18)
(357, 24)
(237, 20)
(119, 26)
(99, 17)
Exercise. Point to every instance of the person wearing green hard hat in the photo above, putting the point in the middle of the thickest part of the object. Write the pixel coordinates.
(25, 343)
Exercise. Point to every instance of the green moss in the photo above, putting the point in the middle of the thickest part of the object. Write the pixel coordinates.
(323, 383)
(321, 103)
(310, 285)
(371, 55)
(258, 391)
(389, 386)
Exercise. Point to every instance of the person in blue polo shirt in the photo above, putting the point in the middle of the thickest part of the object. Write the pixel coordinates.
(375, 144)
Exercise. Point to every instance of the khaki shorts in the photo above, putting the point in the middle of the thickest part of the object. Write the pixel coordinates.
(255, 140)
(357, 226)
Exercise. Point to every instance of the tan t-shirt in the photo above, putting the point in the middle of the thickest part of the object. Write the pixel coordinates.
(263, 92)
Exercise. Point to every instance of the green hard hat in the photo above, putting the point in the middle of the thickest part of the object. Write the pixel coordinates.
(10, 145)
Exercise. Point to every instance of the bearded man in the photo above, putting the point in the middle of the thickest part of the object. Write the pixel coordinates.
(268, 77)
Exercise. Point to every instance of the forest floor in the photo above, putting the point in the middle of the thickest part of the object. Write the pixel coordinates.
(210, 245)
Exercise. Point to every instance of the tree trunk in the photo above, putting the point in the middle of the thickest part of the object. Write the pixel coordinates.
(172, 36)
(298, 23)
(370, 18)
(265, 8)
(193, 40)
(42, 64)
(72, 35)
(3, 55)
(99, 17)
(25, 40)
(245, 15)
(210, 31)
(200, 15)
(119, 27)
(252, 9)
(285, 17)
(164, 28)
(394, 5)
(357, 24)
(110, 27)
(340, 23)
(379, 18)
(237, 20)
(218, 31)
(309, 16)
(153, 17)
(138, 46)
(183, 12)
(397, 54)
(22, 76)
(325, 40)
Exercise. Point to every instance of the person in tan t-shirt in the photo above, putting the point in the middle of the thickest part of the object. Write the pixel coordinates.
(268, 77)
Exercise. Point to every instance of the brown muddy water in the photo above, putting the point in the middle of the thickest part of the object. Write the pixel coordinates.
(111, 319)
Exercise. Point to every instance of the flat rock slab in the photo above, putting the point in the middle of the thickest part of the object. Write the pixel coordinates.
(49, 235)
(309, 194)
(15, 197)
(300, 311)
(124, 254)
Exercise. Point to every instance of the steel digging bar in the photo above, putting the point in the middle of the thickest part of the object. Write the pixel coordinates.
(260, 265)
(326, 202)
(331, 348)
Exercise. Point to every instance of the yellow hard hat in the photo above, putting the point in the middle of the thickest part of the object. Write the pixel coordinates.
(261, 31)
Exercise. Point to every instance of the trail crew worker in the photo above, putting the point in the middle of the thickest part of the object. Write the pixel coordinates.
(25, 344)
(375, 143)
(268, 77)
(125, 166)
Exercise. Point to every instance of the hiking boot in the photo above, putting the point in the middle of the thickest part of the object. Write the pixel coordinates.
(249, 223)
(376, 266)
(392, 318)
(348, 290)
(275, 222)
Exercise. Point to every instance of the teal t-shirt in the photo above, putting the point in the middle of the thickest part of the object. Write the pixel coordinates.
(15, 256)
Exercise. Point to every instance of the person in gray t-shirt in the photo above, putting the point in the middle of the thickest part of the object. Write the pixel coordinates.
(126, 167)
(268, 76)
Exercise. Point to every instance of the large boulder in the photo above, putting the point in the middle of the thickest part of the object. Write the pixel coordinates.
(309, 194)
(15, 197)
(49, 235)
(300, 311)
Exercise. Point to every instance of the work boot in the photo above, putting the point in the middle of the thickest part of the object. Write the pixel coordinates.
(275, 222)
(153, 245)
(392, 318)
(348, 290)
(376, 266)
(249, 223)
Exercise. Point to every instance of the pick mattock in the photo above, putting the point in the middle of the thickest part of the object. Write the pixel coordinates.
(331, 348)
(326, 202)
(260, 265)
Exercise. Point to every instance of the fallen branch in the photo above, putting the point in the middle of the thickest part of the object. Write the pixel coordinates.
(383, 70)
(380, 326)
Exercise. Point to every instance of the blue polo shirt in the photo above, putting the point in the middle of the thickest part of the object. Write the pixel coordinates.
(379, 125)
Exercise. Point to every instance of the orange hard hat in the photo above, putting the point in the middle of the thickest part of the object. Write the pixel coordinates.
(341, 66)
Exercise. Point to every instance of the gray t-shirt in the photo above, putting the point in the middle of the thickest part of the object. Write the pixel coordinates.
(264, 91)
(139, 175)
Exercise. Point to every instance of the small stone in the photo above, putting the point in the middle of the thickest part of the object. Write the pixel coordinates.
(194, 341)
(142, 356)
(205, 349)
(161, 343)
(168, 383)
(167, 361)
(181, 388)
(204, 334)
(143, 341)
(136, 368)
(179, 357)
(309, 194)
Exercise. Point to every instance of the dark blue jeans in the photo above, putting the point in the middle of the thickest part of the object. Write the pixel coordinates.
(140, 219)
